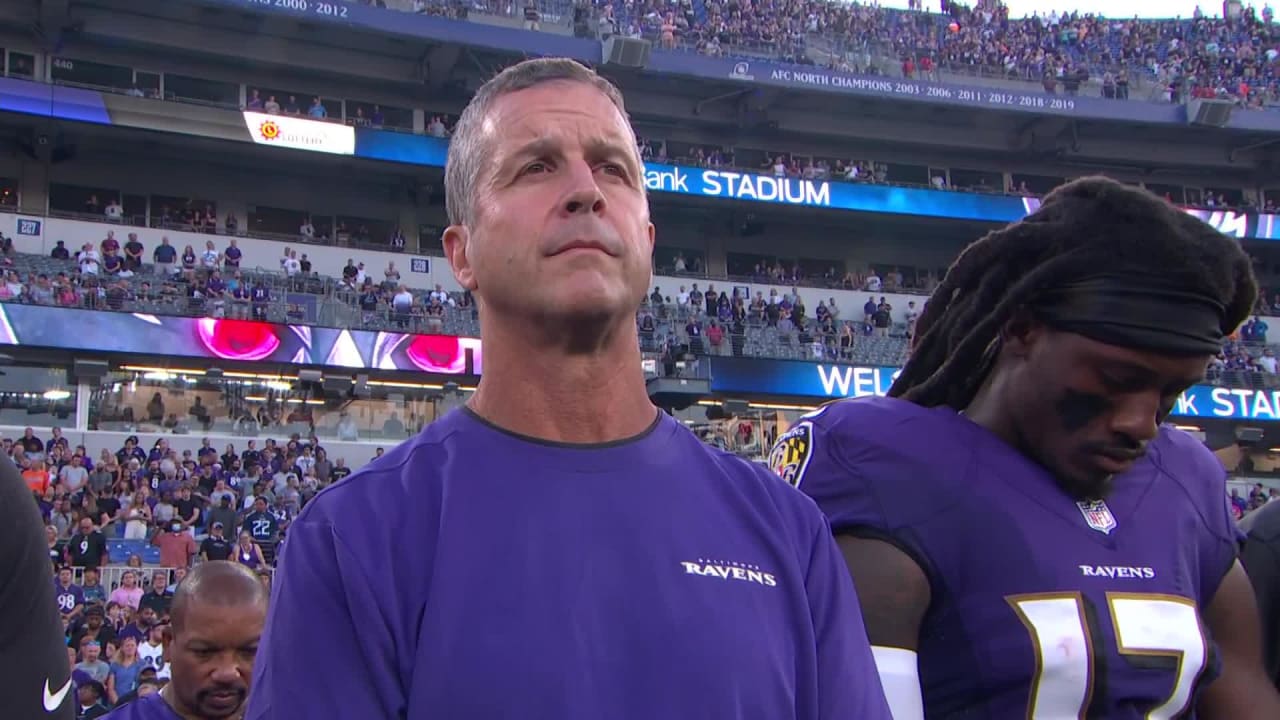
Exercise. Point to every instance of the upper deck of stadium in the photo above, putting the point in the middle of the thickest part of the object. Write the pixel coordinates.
(845, 102)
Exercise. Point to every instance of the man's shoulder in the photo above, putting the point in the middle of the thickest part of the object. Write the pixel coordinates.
(388, 484)
(151, 707)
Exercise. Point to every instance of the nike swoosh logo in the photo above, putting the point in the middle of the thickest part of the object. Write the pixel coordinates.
(52, 701)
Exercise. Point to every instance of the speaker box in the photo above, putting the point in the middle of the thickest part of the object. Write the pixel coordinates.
(1209, 113)
(626, 52)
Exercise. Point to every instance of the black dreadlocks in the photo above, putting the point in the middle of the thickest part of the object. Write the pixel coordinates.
(1085, 226)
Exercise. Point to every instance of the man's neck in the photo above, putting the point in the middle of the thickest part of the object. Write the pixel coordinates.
(539, 391)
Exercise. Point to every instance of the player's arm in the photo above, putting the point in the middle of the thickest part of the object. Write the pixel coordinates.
(848, 682)
(34, 672)
(351, 668)
(894, 595)
(1242, 691)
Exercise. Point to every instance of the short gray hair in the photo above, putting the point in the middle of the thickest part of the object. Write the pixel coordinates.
(467, 151)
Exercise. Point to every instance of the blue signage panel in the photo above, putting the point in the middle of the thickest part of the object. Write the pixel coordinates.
(793, 378)
(738, 185)
(756, 72)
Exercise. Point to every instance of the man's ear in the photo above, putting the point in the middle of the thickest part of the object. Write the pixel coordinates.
(457, 242)
(1021, 332)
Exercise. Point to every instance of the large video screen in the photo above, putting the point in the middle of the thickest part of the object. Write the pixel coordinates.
(236, 340)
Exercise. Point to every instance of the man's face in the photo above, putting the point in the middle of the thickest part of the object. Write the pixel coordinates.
(1086, 410)
(64, 577)
(91, 577)
(91, 653)
(146, 617)
(563, 170)
(86, 526)
(212, 655)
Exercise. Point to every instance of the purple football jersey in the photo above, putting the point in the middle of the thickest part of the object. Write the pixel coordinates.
(151, 707)
(470, 573)
(1042, 607)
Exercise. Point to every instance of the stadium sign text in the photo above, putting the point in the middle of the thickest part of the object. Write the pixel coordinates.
(736, 185)
(792, 378)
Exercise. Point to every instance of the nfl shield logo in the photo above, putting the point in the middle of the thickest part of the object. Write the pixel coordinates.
(1098, 515)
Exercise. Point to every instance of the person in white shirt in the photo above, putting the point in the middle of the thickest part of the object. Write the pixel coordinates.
(151, 652)
(347, 428)
(1268, 361)
(873, 282)
(682, 297)
(113, 211)
(305, 461)
(88, 259)
(403, 300)
(360, 275)
(440, 296)
(291, 265)
(272, 107)
(210, 257)
(307, 230)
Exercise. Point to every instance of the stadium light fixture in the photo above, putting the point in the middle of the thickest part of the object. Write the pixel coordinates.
(56, 395)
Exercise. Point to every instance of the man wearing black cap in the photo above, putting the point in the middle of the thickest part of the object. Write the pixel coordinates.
(1027, 537)
(94, 627)
(224, 514)
(215, 547)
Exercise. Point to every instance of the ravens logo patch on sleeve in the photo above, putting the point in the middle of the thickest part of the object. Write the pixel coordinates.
(790, 455)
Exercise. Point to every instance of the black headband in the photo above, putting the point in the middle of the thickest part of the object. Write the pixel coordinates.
(1136, 312)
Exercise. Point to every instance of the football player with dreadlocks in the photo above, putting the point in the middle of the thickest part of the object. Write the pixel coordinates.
(1028, 539)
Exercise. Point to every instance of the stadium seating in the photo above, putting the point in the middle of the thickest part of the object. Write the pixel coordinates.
(1160, 60)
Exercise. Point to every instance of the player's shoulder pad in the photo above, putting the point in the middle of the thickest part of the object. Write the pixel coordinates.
(846, 432)
(1183, 457)
(1197, 470)
(877, 463)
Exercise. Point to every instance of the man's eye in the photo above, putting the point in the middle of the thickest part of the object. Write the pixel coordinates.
(534, 168)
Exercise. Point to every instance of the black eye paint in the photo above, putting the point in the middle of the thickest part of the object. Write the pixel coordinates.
(1076, 409)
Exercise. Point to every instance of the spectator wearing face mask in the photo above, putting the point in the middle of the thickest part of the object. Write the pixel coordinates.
(177, 547)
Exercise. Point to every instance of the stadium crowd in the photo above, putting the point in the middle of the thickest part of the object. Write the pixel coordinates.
(682, 323)
(123, 528)
(1228, 58)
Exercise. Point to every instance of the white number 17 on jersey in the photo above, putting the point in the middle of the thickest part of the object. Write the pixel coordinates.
(1148, 625)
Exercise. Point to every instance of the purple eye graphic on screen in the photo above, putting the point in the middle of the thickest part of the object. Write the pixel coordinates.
(238, 339)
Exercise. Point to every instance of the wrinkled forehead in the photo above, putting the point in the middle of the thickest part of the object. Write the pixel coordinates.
(562, 114)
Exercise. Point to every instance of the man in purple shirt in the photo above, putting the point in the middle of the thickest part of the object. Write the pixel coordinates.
(217, 617)
(559, 548)
(1029, 541)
